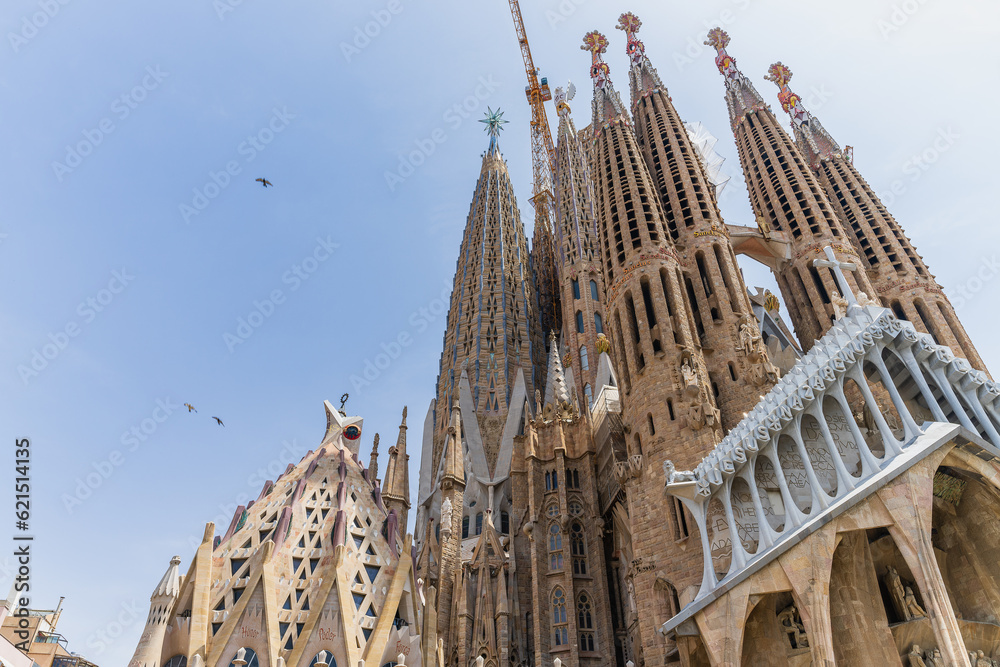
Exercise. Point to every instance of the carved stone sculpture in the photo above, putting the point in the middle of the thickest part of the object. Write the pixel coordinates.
(913, 610)
(791, 624)
(689, 375)
(839, 306)
(916, 657)
(446, 516)
(896, 592)
(674, 475)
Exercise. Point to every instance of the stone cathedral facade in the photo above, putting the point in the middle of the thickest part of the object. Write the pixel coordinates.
(659, 473)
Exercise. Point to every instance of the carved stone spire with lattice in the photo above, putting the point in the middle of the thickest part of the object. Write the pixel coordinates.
(738, 370)
(492, 327)
(898, 273)
(668, 409)
(795, 218)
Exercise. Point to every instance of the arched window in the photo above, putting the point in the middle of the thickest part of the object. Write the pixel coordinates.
(576, 288)
(578, 547)
(585, 622)
(579, 322)
(177, 661)
(593, 291)
(504, 522)
(465, 527)
(548, 481)
(584, 362)
(598, 323)
(479, 523)
(589, 393)
(559, 622)
(555, 547)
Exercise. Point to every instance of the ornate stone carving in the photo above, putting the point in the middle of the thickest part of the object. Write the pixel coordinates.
(674, 475)
(839, 306)
(913, 610)
(791, 624)
(446, 517)
(915, 656)
(895, 587)
(689, 377)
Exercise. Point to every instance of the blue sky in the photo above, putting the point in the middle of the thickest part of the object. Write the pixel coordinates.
(118, 115)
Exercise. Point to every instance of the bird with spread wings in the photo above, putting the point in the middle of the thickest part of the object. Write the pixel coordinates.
(265, 182)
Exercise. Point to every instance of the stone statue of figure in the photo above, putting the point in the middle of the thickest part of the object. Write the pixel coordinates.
(916, 657)
(865, 300)
(982, 660)
(839, 306)
(688, 373)
(792, 626)
(934, 658)
(913, 610)
(895, 586)
(630, 592)
(749, 339)
(672, 474)
(446, 512)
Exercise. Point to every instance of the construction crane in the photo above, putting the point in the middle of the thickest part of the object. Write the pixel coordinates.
(543, 152)
(543, 167)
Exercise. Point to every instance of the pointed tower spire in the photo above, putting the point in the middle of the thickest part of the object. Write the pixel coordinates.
(897, 272)
(794, 215)
(396, 491)
(719, 300)
(492, 327)
(814, 141)
(668, 406)
(607, 106)
(556, 392)
(373, 461)
(161, 614)
(741, 97)
(454, 464)
(581, 283)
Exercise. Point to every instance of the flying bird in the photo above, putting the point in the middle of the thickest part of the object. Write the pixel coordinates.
(265, 182)
(190, 407)
(218, 420)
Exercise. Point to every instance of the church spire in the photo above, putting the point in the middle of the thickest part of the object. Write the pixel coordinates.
(608, 107)
(492, 327)
(814, 141)
(741, 97)
(396, 490)
(556, 392)
(373, 461)
(720, 305)
(161, 615)
(897, 272)
(454, 465)
(789, 203)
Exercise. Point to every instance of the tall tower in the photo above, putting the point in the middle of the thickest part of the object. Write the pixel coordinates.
(545, 274)
(791, 206)
(581, 283)
(396, 489)
(898, 273)
(668, 408)
(492, 330)
(735, 355)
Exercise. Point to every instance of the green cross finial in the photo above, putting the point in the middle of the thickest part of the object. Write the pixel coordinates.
(494, 121)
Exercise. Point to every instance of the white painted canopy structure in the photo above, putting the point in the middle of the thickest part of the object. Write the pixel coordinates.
(805, 454)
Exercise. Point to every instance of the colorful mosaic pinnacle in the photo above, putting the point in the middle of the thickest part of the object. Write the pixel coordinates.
(790, 102)
(630, 23)
(597, 44)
